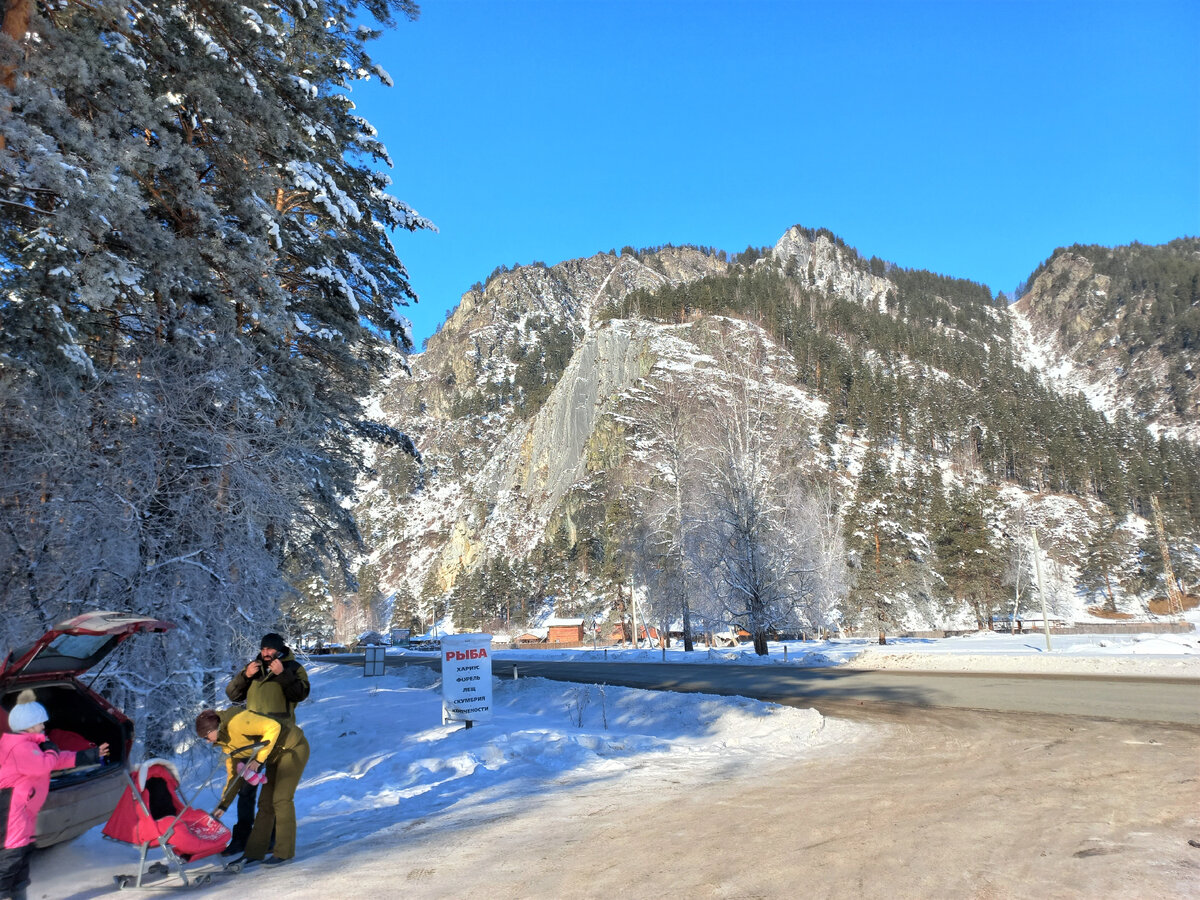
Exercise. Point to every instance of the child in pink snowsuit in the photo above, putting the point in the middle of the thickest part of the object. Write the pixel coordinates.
(26, 760)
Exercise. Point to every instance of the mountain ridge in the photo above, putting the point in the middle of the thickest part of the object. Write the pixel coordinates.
(520, 392)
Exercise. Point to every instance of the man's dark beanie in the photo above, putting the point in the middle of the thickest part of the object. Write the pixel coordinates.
(274, 642)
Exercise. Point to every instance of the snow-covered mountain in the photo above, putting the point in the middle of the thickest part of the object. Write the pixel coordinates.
(905, 393)
(1121, 326)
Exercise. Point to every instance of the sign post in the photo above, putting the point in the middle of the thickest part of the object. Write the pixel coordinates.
(466, 678)
(373, 660)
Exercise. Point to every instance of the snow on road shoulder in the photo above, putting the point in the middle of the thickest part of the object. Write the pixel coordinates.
(1131, 655)
(380, 743)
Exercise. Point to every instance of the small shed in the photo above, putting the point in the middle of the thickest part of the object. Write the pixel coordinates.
(564, 631)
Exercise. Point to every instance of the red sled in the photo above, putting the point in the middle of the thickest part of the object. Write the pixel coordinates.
(153, 812)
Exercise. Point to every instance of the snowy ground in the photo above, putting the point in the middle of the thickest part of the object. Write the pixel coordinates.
(1166, 655)
(384, 767)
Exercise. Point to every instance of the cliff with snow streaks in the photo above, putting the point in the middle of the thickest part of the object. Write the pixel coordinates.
(1123, 327)
(910, 397)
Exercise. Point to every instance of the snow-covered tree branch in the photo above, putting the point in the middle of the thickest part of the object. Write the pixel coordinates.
(198, 287)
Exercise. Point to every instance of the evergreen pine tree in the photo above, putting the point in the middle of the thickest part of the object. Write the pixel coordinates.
(199, 283)
(966, 556)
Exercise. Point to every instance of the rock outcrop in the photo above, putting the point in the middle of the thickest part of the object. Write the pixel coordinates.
(518, 401)
(1090, 311)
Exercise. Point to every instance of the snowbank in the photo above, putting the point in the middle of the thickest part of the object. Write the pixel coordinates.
(1147, 655)
(1144, 655)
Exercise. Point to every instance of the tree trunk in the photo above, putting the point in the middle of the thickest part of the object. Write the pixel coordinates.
(620, 611)
(1112, 600)
(17, 15)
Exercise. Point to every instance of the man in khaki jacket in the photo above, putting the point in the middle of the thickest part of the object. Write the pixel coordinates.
(270, 685)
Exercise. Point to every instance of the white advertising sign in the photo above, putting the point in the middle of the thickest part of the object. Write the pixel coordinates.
(466, 677)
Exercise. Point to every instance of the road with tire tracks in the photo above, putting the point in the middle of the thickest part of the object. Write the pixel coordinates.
(840, 691)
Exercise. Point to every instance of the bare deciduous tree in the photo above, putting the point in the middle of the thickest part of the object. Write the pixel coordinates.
(762, 534)
(659, 553)
(1018, 570)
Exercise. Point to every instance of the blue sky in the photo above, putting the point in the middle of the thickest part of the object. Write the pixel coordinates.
(968, 138)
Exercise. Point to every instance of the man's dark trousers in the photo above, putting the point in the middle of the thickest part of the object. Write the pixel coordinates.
(245, 816)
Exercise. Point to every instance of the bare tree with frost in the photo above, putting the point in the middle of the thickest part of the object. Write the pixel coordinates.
(820, 520)
(1019, 570)
(667, 449)
(763, 543)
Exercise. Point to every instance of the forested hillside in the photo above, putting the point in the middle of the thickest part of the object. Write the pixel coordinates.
(1128, 319)
(939, 377)
(908, 403)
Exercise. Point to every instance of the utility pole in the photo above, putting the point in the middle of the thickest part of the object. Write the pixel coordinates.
(633, 614)
(879, 582)
(1174, 595)
(1037, 564)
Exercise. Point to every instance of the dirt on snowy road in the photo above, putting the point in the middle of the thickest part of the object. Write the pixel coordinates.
(924, 804)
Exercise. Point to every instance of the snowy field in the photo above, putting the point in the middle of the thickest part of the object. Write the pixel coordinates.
(383, 763)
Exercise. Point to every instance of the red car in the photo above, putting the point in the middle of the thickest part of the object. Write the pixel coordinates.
(51, 666)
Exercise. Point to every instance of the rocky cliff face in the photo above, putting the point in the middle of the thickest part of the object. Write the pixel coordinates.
(499, 454)
(821, 263)
(518, 400)
(1095, 324)
(522, 307)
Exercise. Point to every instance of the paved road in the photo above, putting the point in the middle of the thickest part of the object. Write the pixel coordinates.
(838, 690)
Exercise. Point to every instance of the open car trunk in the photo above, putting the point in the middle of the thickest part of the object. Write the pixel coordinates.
(85, 796)
(78, 717)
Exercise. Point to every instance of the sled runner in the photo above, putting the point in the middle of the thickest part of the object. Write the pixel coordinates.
(153, 812)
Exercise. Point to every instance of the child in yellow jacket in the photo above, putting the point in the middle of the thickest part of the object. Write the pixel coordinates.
(283, 755)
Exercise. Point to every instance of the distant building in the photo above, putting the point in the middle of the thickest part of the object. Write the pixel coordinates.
(621, 632)
(564, 631)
